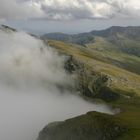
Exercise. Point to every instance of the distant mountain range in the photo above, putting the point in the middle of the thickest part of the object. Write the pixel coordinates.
(84, 38)
(116, 45)
(130, 31)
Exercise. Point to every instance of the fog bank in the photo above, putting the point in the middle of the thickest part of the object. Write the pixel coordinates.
(30, 97)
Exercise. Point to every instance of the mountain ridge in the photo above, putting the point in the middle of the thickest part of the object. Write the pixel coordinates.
(103, 33)
(105, 73)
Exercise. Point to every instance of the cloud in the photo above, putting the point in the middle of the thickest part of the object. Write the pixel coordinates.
(29, 93)
(69, 9)
(13, 9)
(30, 62)
(76, 9)
(90, 9)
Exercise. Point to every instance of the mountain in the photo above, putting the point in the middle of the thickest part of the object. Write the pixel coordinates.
(125, 39)
(107, 70)
(80, 39)
(130, 31)
(91, 126)
(7, 28)
(119, 46)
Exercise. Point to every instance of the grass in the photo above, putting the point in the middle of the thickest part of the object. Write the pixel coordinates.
(130, 115)
(123, 79)
(85, 127)
(112, 54)
(97, 57)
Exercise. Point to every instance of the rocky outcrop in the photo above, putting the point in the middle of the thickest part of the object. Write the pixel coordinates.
(7, 28)
(89, 83)
(91, 126)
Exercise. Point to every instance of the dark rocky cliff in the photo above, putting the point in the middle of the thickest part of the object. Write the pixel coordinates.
(91, 126)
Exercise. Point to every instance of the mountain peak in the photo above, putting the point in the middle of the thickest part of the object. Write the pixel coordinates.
(7, 28)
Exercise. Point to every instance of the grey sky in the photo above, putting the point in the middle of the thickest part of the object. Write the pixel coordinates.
(77, 26)
(69, 16)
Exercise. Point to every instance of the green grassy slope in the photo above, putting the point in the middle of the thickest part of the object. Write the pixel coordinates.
(99, 57)
(116, 45)
(114, 54)
(123, 80)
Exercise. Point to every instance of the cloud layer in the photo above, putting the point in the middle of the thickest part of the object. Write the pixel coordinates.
(13, 9)
(69, 9)
(30, 93)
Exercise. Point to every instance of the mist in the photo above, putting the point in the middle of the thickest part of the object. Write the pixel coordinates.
(31, 75)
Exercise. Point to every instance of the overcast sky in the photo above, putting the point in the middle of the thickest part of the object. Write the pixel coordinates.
(69, 16)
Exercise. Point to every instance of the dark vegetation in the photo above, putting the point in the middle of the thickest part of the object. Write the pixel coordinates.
(92, 126)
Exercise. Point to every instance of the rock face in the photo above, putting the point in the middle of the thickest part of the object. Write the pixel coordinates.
(89, 83)
(92, 126)
(7, 28)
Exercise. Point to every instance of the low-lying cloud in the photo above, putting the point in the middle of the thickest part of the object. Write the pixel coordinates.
(26, 62)
(69, 9)
(31, 75)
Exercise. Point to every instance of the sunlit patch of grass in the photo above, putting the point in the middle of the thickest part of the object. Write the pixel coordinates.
(122, 79)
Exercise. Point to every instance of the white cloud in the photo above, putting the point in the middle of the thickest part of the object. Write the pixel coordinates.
(12, 9)
(90, 9)
(69, 9)
(33, 88)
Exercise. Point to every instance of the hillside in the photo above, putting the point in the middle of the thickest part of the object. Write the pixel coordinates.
(103, 73)
(122, 79)
(89, 128)
(106, 73)
(119, 46)
(80, 39)
(125, 39)
(7, 28)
